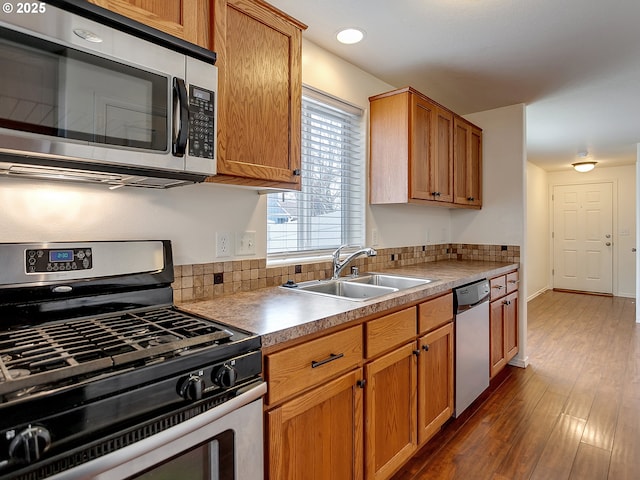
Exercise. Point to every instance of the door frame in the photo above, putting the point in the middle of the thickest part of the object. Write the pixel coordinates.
(614, 229)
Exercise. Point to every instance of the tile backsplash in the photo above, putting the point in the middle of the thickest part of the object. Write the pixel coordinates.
(209, 280)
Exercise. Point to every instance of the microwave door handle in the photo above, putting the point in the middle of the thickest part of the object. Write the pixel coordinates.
(180, 137)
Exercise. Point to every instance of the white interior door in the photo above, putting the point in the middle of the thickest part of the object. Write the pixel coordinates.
(583, 237)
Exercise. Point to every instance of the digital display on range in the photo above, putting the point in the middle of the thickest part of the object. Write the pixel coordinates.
(60, 256)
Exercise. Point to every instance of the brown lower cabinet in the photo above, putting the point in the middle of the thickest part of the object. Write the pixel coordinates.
(390, 411)
(319, 434)
(503, 321)
(435, 381)
(358, 403)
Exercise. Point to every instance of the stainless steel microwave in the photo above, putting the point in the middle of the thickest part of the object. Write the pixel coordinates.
(89, 95)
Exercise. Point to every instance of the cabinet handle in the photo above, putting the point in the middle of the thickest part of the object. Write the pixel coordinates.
(436, 194)
(332, 357)
(499, 287)
(416, 352)
(470, 199)
(514, 281)
(361, 383)
(425, 347)
(507, 302)
(296, 172)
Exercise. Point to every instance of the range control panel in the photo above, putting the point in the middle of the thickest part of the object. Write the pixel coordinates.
(201, 122)
(44, 260)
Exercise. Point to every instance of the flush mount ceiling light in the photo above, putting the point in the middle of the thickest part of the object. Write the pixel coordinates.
(584, 166)
(349, 36)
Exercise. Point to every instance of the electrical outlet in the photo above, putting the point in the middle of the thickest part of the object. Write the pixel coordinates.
(223, 244)
(374, 237)
(246, 243)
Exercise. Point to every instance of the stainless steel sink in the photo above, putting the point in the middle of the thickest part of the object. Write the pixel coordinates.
(393, 281)
(345, 289)
(363, 287)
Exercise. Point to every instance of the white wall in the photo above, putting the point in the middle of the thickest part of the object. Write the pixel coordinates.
(188, 216)
(501, 220)
(537, 231)
(624, 218)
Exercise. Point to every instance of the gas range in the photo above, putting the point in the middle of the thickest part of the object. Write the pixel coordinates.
(94, 356)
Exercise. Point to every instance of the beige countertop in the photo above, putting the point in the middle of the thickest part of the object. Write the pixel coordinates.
(280, 315)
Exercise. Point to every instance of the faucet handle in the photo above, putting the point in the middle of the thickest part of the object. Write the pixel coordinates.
(338, 251)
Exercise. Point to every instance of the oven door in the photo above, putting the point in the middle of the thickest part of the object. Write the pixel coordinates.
(225, 443)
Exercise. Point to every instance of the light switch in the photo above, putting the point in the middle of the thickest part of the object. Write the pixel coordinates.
(246, 243)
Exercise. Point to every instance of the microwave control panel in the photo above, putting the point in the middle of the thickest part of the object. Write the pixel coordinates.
(44, 260)
(201, 122)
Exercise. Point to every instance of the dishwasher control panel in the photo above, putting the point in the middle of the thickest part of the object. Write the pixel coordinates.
(472, 294)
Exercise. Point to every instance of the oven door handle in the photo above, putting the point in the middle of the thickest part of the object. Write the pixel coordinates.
(180, 97)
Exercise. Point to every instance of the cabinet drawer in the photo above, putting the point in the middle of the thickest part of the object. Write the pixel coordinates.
(513, 279)
(498, 286)
(389, 331)
(297, 368)
(435, 312)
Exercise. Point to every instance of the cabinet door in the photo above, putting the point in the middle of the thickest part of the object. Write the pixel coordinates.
(423, 114)
(260, 90)
(390, 406)
(474, 175)
(435, 381)
(186, 19)
(431, 151)
(467, 167)
(497, 337)
(442, 170)
(318, 436)
(511, 326)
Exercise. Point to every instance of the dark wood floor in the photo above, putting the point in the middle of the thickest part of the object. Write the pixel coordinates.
(574, 413)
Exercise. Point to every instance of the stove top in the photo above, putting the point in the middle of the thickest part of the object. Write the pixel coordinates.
(43, 355)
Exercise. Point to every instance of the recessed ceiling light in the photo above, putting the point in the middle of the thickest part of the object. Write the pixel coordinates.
(350, 36)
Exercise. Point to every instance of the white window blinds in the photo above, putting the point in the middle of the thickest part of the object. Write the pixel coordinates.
(329, 209)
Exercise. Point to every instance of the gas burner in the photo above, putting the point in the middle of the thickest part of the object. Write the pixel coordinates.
(5, 358)
(15, 373)
(160, 340)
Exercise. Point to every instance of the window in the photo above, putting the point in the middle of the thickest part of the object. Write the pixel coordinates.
(329, 209)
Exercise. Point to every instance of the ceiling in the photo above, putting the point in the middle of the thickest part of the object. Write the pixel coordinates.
(575, 64)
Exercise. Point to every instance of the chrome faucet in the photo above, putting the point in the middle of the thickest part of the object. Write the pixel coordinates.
(339, 266)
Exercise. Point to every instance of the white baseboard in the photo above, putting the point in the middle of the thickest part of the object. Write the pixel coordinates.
(519, 362)
(537, 294)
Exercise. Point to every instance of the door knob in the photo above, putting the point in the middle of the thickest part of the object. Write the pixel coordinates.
(608, 244)
(608, 235)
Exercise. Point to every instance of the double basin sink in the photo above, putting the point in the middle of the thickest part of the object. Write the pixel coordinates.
(361, 287)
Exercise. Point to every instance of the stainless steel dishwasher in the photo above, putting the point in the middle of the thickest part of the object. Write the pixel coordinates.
(471, 308)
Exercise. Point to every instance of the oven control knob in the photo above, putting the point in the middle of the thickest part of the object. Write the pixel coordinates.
(29, 445)
(226, 376)
(191, 388)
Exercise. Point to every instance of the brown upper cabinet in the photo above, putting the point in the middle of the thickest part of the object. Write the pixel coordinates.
(260, 93)
(467, 156)
(185, 19)
(412, 147)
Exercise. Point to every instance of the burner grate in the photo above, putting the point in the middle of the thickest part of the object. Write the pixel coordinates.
(55, 351)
